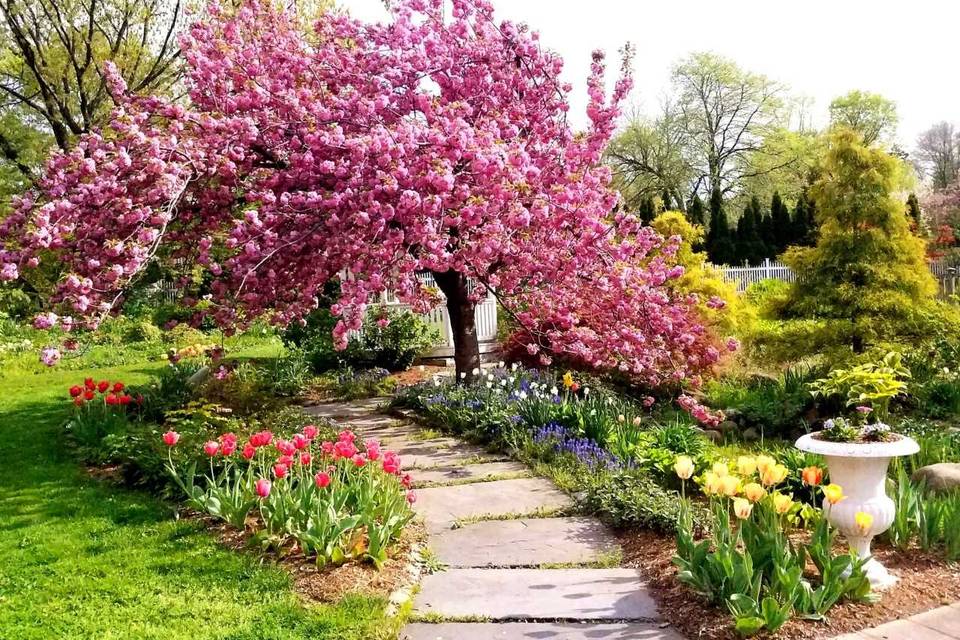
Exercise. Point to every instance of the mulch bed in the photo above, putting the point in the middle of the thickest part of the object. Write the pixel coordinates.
(926, 582)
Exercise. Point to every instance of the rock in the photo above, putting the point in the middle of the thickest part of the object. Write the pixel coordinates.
(943, 476)
(733, 414)
(199, 377)
(727, 426)
(751, 434)
(711, 435)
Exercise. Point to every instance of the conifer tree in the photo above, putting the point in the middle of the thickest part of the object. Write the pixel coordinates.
(666, 202)
(914, 215)
(647, 211)
(720, 246)
(866, 280)
(781, 225)
(695, 211)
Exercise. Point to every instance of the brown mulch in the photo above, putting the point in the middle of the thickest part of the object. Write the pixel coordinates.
(331, 583)
(416, 374)
(926, 582)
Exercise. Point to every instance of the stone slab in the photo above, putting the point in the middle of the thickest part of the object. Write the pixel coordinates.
(424, 455)
(346, 410)
(538, 594)
(441, 506)
(539, 631)
(468, 472)
(524, 543)
(945, 620)
(905, 630)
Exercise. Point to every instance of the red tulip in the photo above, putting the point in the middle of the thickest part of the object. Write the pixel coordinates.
(248, 451)
(78, 401)
(391, 462)
(211, 448)
(125, 399)
(322, 479)
(406, 480)
(170, 438)
(75, 391)
(102, 386)
(88, 395)
(117, 387)
(263, 487)
(280, 470)
(228, 447)
(89, 384)
(112, 399)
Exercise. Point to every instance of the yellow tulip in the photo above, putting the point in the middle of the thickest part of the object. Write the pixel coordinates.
(742, 508)
(764, 463)
(568, 379)
(864, 521)
(782, 503)
(746, 465)
(833, 493)
(774, 475)
(721, 469)
(683, 467)
(754, 492)
(711, 483)
(729, 486)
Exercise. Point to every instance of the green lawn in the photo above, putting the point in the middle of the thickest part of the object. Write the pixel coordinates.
(82, 559)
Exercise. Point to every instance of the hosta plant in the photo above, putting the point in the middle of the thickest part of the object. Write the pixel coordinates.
(334, 500)
(750, 565)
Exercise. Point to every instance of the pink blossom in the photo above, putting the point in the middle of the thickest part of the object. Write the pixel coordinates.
(50, 356)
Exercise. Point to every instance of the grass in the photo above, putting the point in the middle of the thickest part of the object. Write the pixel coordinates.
(80, 558)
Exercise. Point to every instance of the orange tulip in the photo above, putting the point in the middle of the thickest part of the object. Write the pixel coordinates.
(812, 476)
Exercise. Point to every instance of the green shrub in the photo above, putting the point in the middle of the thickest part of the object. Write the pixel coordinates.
(291, 374)
(15, 303)
(142, 331)
(631, 498)
(873, 384)
(350, 384)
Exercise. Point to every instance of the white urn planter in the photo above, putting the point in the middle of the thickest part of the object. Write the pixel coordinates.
(860, 468)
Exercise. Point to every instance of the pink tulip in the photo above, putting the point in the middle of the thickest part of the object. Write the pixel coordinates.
(411, 496)
(263, 487)
(322, 480)
(211, 448)
(310, 431)
(171, 438)
(280, 470)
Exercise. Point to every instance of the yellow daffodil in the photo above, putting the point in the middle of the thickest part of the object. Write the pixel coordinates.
(568, 380)
(746, 465)
(754, 492)
(864, 521)
(782, 503)
(721, 469)
(683, 467)
(742, 508)
(833, 493)
(729, 486)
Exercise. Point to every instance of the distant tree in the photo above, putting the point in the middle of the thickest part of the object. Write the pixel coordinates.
(780, 223)
(869, 114)
(724, 112)
(666, 202)
(914, 214)
(720, 242)
(938, 154)
(647, 210)
(750, 244)
(695, 212)
(867, 276)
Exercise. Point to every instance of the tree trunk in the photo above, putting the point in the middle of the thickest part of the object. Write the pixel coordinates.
(466, 346)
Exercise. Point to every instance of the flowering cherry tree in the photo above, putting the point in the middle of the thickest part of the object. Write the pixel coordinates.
(366, 154)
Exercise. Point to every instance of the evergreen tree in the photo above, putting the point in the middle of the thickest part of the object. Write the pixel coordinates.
(695, 211)
(782, 230)
(803, 228)
(720, 246)
(750, 246)
(913, 212)
(666, 201)
(647, 211)
(866, 281)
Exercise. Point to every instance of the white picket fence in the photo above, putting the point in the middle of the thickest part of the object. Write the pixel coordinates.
(947, 275)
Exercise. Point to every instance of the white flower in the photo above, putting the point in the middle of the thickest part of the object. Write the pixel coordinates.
(522, 395)
(515, 366)
(436, 382)
(489, 384)
(490, 377)
(586, 391)
(554, 391)
(512, 379)
(476, 371)
(463, 374)
(503, 383)
(422, 368)
(498, 390)
(501, 364)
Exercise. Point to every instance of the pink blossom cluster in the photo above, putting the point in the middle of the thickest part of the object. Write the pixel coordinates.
(436, 141)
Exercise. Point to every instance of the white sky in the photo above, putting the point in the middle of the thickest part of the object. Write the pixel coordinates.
(904, 50)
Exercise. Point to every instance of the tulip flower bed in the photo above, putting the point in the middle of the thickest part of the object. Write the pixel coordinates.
(99, 409)
(333, 501)
(750, 564)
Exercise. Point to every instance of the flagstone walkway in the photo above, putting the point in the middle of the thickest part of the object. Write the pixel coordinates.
(518, 564)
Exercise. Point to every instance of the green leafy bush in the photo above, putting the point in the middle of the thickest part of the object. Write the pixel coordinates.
(291, 374)
(350, 384)
(142, 331)
(872, 384)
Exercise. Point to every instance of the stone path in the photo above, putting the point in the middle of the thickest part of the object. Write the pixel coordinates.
(517, 563)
